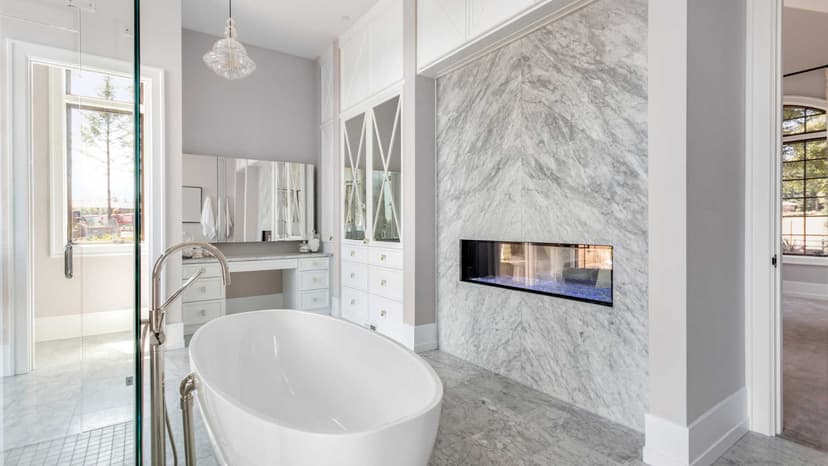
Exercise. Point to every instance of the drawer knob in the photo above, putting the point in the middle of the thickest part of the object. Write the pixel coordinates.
(382, 313)
(383, 282)
(353, 253)
(203, 289)
(315, 279)
(316, 300)
(353, 275)
(382, 257)
(353, 301)
(203, 312)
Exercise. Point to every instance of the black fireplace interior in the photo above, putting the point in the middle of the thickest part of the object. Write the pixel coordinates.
(582, 272)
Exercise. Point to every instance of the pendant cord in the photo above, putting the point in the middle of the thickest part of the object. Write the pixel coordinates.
(231, 9)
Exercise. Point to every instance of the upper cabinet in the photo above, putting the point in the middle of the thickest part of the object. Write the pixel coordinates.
(488, 14)
(443, 25)
(371, 53)
(451, 32)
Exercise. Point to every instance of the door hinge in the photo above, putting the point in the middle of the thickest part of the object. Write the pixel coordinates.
(774, 261)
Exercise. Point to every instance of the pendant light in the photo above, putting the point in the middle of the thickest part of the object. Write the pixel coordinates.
(228, 57)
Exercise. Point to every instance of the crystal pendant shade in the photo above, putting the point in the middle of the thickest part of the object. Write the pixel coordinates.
(228, 57)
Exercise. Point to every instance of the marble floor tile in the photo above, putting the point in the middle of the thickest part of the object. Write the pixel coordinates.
(487, 419)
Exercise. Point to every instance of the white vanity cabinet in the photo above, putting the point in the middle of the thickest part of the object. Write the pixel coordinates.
(205, 299)
(371, 53)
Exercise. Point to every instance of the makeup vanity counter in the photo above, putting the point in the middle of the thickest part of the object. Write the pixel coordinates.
(305, 284)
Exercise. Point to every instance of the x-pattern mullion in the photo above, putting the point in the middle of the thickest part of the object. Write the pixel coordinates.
(385, 156)
(355, 189)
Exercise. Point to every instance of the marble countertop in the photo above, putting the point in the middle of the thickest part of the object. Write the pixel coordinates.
(260, 257)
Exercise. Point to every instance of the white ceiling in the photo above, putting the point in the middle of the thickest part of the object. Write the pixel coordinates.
(298, 27)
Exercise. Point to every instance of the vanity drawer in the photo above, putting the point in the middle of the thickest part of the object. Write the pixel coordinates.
(386, 257)
(355, 253)
(314, 279)
(386, 316)
(203, 290)
(211, 269)
(309, 300)
(355, 275)
(355, 305)
(386, 283)
(318, 263)
(199, 313)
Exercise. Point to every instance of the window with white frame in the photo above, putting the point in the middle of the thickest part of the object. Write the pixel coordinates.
(804, 180)
(93, 160)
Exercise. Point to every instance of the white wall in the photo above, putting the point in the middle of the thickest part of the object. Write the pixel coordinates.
(804, 45)
(161, 48)
(271, 115)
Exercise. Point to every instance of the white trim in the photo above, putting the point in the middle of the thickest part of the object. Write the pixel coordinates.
(425, 337)
(763, 100)
(523, 23)
(703, 441)
(805, 290)
(814, 261)
(805, 101)
(83, 325)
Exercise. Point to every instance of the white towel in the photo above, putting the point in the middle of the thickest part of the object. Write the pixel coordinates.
(228, 220)
(208, 220)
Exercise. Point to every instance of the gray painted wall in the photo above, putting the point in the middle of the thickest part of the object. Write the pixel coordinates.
(271, 115)
(715, 202)
(546, 140)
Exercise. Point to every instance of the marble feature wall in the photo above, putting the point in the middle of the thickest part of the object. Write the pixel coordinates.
(545, 140)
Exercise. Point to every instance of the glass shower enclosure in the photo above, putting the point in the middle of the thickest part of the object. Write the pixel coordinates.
(73, 243)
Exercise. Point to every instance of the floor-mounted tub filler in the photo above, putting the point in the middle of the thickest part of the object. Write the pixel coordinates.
(294, 388)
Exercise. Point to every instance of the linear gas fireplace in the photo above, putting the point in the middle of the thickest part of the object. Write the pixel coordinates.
(582, 272)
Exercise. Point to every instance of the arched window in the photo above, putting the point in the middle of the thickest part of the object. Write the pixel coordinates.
(804, 178)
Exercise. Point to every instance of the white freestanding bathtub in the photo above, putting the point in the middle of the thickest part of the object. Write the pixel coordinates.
(300, 389)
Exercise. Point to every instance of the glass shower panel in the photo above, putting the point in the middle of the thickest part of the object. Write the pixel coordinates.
(386, 176)
(71, 177)
(355, 149)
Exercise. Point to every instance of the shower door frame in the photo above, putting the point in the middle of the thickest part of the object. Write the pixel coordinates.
(18, 357)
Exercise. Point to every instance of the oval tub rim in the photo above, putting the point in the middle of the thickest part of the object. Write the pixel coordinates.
(434, 402)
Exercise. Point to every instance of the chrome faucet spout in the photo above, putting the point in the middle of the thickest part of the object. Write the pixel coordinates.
(157, 333)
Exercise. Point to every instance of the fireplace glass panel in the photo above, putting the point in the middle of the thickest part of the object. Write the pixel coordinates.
(576, 271)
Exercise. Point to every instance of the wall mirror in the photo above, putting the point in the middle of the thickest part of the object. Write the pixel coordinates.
(251, 200)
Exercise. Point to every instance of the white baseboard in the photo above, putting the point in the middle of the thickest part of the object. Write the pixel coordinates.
(83, 325)
(703, 441)
(805, 290)
(254, 303)
(175, 335)
(425, 337)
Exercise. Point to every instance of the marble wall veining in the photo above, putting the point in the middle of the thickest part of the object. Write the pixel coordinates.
(545, 140)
